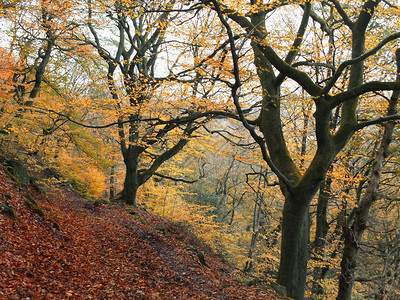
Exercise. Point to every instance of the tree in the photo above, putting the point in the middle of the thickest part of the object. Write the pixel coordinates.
(343, 87)
(9, 67)
(156, 118)
(353, 232)
(40, 30)
(165, 66)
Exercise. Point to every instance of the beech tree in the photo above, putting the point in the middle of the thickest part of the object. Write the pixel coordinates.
(164, 76)
(354, 228)
(155, 116)
(299, 63)
(39, 31)
(155, 96)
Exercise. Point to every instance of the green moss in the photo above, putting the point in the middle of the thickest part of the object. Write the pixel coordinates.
(18, 172)
(34, 207)
(100, 202)
(56, 226)
(29, 198)
(160, 227)
(7, 211)
(38, 211)
(80, 187)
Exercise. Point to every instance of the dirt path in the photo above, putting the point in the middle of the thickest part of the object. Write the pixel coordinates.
(81, 250)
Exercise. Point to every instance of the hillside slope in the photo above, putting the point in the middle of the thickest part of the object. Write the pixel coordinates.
(61, 246)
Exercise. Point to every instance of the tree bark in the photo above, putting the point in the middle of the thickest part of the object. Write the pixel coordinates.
(294, 247)
(321, 232)
(112, 182)
(255, 231)
(131, 182)
(51, 39)
(297, 188)
(130, 186)
(353, 233)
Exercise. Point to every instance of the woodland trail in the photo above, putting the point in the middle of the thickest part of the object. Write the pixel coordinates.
(61, 246)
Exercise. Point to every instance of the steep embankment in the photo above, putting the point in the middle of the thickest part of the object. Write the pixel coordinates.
(58, 246)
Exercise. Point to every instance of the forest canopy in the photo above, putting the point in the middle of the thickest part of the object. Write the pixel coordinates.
(269, 127)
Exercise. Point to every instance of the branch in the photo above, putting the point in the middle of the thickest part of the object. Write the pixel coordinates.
(214, 53)
(194, 7)
(234, 92)
(343, 14)
(367, 279)
(299, 39)
(177, 121)
(365, 15)
(178, 179)
(389, 4)
(311, 63)
(362, 89)
(51, 38)
(96, 44)
(376, 121)
(300, 34)
(347, 63)
(168, 154)
(300, 77)
(221, 134)
(321, 21)
(232, 14)
(393, 101)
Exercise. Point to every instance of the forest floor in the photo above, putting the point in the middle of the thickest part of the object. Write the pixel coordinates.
(56, 245)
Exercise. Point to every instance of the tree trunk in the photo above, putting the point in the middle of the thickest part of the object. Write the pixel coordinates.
(353, 233)
(132, 181)
(112, 182)
(321, 232)
(256, 230)
(348, 265)
(294, 247)
(40, 69)
(130, 185)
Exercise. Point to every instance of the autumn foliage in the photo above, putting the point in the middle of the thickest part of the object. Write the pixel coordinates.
(69, 247)
(267, 129)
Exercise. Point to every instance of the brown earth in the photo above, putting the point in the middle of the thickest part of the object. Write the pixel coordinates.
(61, 246)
